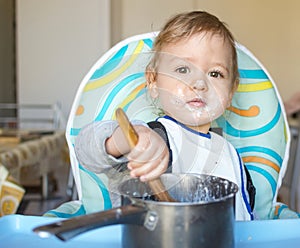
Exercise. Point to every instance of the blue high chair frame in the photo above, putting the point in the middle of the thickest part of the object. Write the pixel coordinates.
(255, 124)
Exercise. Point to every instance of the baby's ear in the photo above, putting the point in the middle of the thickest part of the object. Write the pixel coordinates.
(236, 85)
(234, 89)
(151, 83)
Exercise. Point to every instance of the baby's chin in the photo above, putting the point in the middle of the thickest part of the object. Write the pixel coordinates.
(193, 118)
(196, 123)
(196, 118)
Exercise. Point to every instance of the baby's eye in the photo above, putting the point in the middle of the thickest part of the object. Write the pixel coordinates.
(216, 74)
(183, 69)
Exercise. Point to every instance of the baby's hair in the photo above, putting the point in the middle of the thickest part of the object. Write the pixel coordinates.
(184, 25)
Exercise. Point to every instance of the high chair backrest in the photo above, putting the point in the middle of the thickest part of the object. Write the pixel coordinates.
(255, 123)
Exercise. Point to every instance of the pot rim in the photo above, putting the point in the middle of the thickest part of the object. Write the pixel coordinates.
(139, 201)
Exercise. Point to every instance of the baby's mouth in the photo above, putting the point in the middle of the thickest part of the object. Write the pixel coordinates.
(196, 103)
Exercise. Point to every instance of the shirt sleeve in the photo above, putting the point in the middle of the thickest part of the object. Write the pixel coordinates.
(90, 145)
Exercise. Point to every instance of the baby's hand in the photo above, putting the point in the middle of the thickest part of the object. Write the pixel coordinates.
(150, 157)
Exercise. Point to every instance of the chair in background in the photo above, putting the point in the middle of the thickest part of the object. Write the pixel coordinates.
(255, 124)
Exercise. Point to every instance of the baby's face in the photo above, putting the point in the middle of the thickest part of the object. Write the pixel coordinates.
(194, 80)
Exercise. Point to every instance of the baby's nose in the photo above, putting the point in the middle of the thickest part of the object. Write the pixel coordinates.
(200, 84)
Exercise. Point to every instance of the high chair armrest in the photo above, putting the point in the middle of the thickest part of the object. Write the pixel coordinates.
(282, 211)
(67, 210)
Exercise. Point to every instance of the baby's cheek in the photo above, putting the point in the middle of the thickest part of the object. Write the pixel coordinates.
(170, 101)
(179, 89)
(224, 99)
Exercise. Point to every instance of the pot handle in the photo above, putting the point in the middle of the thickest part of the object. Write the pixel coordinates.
(69, 228)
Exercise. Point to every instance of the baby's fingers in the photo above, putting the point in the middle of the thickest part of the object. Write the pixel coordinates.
(152, 169)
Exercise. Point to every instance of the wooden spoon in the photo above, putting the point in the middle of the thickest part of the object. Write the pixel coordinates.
(132, 137)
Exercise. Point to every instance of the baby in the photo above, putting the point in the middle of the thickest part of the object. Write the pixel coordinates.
(191, 78)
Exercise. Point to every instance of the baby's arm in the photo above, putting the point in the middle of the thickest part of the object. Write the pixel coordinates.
(101, 145)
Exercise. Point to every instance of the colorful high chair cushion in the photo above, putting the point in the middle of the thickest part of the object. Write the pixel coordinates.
(255, 123)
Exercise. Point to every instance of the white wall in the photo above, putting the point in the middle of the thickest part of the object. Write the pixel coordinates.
(141, 16)
(57, 43)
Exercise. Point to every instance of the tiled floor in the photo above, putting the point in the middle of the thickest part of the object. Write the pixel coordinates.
(33, 204)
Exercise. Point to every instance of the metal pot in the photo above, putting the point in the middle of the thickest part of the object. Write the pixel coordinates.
(202, 217)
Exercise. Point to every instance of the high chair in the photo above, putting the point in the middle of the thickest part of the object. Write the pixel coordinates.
(255, 124)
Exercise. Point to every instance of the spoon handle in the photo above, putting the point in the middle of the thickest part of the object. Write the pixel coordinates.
(127, 128)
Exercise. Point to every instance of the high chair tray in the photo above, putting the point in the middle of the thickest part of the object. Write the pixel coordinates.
(16, 231)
